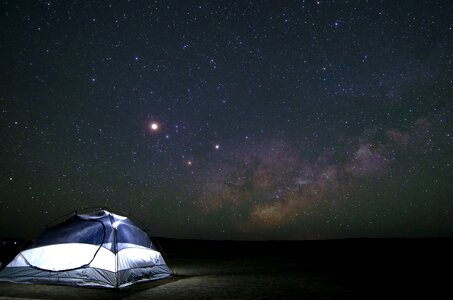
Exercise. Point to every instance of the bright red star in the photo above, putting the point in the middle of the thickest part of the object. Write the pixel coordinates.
(154, 126)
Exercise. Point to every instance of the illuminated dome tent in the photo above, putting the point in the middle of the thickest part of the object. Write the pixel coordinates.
(94, 249)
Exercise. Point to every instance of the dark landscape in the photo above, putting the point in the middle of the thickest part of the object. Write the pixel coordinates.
(328, 269)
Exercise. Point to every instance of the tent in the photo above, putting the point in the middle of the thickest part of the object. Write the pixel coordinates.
(98, 249)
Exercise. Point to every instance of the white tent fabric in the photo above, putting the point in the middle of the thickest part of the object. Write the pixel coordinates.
(97, 249)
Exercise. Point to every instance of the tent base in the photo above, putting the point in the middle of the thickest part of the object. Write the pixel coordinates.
(89, 277)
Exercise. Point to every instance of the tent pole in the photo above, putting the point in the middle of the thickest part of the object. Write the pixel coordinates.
(115, 248)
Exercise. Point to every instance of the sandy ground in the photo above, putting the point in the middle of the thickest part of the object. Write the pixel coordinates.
(225, 270)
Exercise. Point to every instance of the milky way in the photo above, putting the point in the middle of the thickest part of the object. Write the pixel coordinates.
(230, 119)
(272, 184)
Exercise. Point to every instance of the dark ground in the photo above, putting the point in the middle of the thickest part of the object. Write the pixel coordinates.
(333, 269)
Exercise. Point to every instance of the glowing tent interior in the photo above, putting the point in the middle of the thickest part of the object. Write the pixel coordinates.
(100, 249)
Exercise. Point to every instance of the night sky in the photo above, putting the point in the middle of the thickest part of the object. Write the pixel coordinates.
(229, 119)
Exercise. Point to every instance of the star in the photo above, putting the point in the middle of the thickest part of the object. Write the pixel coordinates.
(154, 126)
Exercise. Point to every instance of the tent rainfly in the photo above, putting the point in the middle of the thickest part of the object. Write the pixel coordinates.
(99, 249)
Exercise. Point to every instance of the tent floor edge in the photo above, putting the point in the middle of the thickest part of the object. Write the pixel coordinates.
(131, 276)
(89, 277)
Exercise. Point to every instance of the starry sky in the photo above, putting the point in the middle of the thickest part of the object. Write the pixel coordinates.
(229, 119)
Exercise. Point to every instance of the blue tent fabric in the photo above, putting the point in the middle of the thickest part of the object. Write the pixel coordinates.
(73, 230)
(95, 229)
